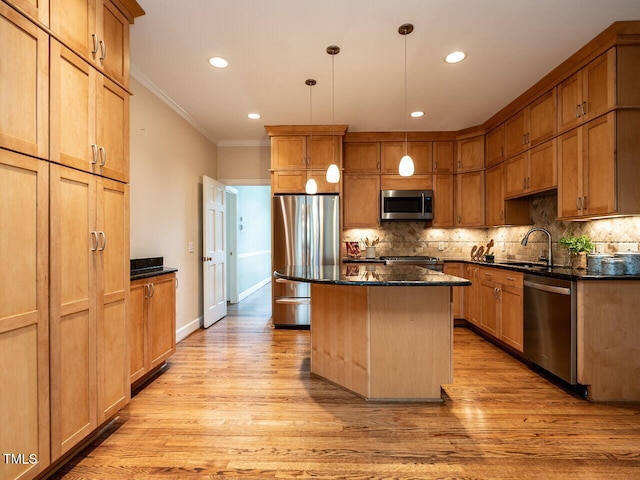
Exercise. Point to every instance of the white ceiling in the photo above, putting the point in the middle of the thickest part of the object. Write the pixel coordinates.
(274, 46)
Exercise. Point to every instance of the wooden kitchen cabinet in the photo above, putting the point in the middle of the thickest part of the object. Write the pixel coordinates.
(296, 152)
(532, 125)
(362, 157)
(152, 325)
(495, 146)
(99, 111)
(443, 157)
(534, 171)
(24, 85)
(89, 288)
(588, 93)
(489, 304)
(24, 311)
(470, 152)
(36, 10)
(469, 199)
(97, 31)
(398, 182)
(361, 201)
(443, 205)
(420, 152)
(500, 211)
(472, 295)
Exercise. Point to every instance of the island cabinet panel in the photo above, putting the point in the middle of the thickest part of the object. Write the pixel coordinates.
(362, 157)
(443, 157)
(24, 91)
(24, 312)
(457, 293)
(420, 152)
(361, 201)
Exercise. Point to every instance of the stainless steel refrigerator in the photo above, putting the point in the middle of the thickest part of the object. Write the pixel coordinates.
(306, 231)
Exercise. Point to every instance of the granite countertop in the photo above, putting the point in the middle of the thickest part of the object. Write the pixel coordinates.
(541, 269)
(370, 275)
(149, 267)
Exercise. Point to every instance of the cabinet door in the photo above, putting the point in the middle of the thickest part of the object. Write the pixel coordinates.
(74, 22)
(512, 316)
(443, 157)
(362, 157)
(323, 150)
(470, 199)
(495, 146)
(320, 176)
(24, 91)
(542, 118)
(474, 305)
(289, 152)
(288, 181)
(494, 196)
(515, 174)
(113, 55)
(73, 311)
(137, 325)
(24, 319)
(73, 110)
(113, 130)
(542, 172)
(598, 85)
(414, 182)
(361, 201)
(470, 154)
(420, 152)
(569, 102)
(113, 288)
(443, 188)
(599, 172)
(514, 134)
(569, 174)
(161, 322)
(37, 10)
(489, 320)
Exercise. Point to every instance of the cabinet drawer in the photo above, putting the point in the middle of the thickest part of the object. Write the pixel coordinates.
(503, 277)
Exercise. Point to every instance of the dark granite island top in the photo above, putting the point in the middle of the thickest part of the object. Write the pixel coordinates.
(374, 336)
(370, 275)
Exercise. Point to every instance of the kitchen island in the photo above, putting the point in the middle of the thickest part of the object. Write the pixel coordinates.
(382, 332)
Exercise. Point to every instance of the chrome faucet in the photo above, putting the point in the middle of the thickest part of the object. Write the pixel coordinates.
(538, 229)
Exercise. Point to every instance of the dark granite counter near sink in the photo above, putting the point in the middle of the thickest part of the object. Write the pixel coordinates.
(149, 267)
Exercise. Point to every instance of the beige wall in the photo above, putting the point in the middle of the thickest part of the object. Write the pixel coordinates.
(244, 165)
(168, 159)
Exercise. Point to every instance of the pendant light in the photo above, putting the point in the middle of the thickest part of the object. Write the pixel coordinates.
(406, 167)
(311, 187)
(333, 172)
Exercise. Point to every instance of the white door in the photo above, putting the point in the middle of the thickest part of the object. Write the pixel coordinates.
(232, 244)
(214, 251)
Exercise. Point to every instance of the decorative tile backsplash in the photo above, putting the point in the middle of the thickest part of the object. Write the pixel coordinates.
(411, 238)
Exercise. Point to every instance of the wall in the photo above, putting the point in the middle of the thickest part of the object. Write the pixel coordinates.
(168, 159)
(412, 238)
(244, 165)
(254, 238)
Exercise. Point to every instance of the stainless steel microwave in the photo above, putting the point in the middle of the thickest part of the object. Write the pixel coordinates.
(406, 205)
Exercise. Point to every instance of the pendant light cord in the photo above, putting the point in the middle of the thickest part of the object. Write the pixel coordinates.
(333, 109)
(406, 125)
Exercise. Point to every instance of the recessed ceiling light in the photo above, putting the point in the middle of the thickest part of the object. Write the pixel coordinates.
(254, 116)
(417, 114)
(219, 62)
(455, 57)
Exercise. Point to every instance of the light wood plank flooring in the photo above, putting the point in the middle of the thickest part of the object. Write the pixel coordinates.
(238, 402)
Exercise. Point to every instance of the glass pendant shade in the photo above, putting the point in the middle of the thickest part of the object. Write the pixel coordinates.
(311, 187)
(333, 173)
(406, 167)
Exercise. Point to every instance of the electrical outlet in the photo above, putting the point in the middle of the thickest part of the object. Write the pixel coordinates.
(441, 246)
(191, 247)
(503, 246)
(628, 247)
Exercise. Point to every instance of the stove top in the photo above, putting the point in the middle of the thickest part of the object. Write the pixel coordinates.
(418, 258)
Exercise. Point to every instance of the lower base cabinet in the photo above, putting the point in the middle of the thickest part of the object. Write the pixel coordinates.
(152, 326)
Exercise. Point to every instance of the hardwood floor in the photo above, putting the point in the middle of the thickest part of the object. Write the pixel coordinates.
(238, 402)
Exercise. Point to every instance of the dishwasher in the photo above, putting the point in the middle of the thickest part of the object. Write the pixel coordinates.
(550, 337)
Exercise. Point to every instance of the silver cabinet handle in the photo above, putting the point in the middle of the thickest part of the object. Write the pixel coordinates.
(524, 138)
(103, 50)
(103, 154)
(152, 290)
(584, 202)
(94, 40)
(584, 108)
(435, 165)
(177, 283)
(94, 154)
(104, 241)
(145, 289)
(578, 111)
(578, 203)
(94, 241)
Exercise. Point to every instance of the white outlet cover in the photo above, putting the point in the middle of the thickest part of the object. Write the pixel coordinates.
(191, 247)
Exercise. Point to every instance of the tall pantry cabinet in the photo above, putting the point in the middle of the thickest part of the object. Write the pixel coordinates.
(64, 228)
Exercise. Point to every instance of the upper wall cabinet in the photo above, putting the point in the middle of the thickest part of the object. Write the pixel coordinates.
(443, 157)
(495, 146)
(420, 152)
(362, 157)
(295, 152)
(531, 126)
(37, 10)
(470, 154)
(99, 110)
(97, 31)
(24, 80)
(588, 93)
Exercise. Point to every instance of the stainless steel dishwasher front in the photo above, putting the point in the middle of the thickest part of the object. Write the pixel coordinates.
(550, 337)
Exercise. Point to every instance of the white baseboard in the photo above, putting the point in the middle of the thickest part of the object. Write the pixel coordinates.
(188, 329)
(253, 289)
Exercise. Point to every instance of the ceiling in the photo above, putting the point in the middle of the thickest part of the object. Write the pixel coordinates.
(274, 46)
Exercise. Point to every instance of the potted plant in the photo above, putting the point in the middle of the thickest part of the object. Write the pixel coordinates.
(578, 248)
